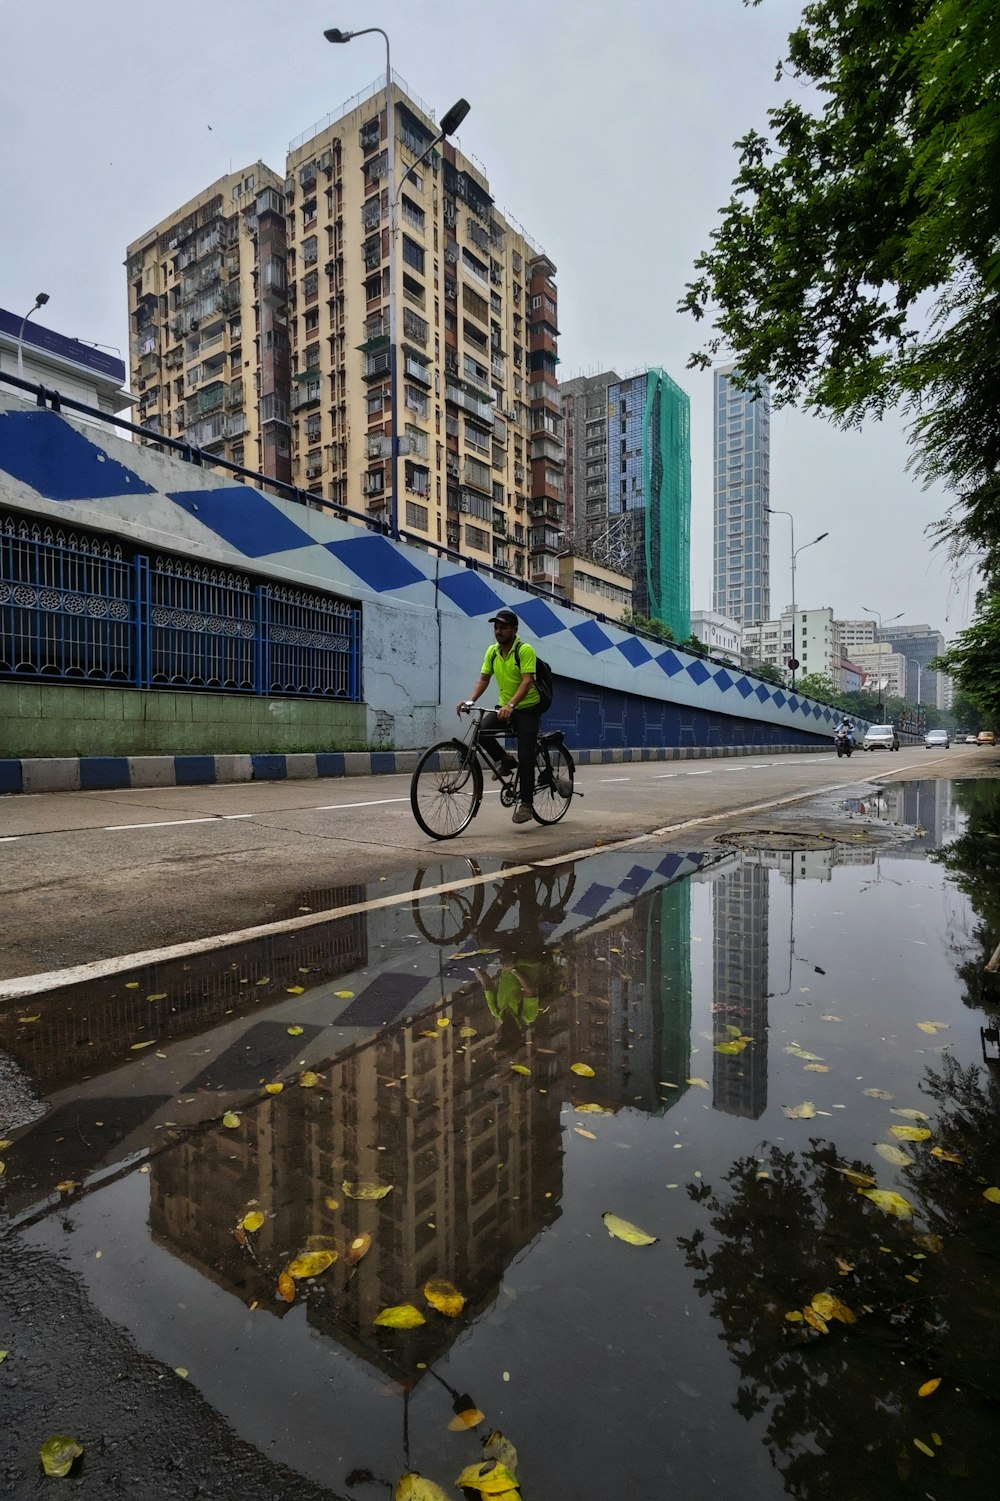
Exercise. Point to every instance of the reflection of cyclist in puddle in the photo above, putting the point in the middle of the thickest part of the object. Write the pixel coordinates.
(525, 975)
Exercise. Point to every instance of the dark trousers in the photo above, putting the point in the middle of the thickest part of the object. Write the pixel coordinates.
(524, 723)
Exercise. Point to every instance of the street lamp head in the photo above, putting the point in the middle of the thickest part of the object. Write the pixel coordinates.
(334, 34)
(41, 299)
(822, 535)
(454, 117)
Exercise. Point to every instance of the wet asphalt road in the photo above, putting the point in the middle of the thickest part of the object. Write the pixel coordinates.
(89, 875)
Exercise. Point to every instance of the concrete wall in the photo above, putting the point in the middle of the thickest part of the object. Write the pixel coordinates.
(55, 719)
(425, 620)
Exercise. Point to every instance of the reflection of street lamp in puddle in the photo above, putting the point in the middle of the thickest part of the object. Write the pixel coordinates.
(792, 955)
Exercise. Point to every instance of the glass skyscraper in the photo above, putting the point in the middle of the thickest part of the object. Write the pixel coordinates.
(741, 582)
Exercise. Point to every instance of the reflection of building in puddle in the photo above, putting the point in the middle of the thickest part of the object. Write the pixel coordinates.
(927, 807)
(87, 1029)
(740, 927)
(632, 1012)
(471, 1148)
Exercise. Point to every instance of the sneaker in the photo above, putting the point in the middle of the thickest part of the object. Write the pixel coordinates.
(504, 768)
(564, 786)
(522, 814)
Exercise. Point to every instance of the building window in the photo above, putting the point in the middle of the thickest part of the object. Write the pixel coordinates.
(413, 255)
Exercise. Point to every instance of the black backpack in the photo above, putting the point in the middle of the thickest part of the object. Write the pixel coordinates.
(543, 677)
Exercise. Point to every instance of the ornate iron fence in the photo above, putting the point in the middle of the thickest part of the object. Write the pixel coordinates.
(77, 606)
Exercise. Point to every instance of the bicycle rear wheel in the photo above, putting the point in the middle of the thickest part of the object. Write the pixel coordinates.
(553, 783)
(446, 789)
(449, 916)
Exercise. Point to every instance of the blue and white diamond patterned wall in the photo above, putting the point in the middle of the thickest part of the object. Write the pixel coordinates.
(425, 618)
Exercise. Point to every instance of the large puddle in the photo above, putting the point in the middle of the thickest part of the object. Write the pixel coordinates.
(772, 1060)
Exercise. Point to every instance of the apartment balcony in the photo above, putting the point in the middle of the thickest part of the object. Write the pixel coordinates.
(415, 370)
(377, 366)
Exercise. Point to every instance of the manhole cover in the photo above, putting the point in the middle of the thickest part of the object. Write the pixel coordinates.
(773, 839)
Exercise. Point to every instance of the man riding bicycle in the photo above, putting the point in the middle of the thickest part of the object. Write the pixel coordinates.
(512, 662)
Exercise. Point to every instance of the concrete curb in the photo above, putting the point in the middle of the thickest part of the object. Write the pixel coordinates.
(109, 773)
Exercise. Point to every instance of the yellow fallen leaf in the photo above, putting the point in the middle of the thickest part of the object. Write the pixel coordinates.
(36, 1018)
(253, 1220)
(401, 1316)
(815, 1068)
(929, 1387)
(7, 1142)
(794, 1316)
(830, 1307)
(934, 1026)
(273, 1088)
(137, 1046)
(310, 1264)
(490, 1478)
(859, 1180)
(945, 1155)
(924, 1448)
(497, 1446)
(3, 1168)
(699, 1083)
(430, 1033)
(468, 1032)
(161, 995)
(626, 1231)
(730, 1049)
(309, 1080)
(582, 1131)
(592, 1110)
(445, 1297)
(286, 1287)
(816, 1320)
(366, 1190)
(471, 1418)
(910, 1133)
(798, 1052)
(993, 1194)
(360, 1246)
(888, 1202)
(66, 1186)
(344, 995)
(444, 1021)
(932, 1243)
(295, 1031)
(266, 980)
(181, 1371)
(829, 1017)
(878, 1094)
(295, 989)
(910, 1115)
(331, 1203)
(412, 1487)
(131, 984)
(58, 1454)
(803, 1112)
(231, 1119)
(321, 1243)
(583, 1069)
(895, 1155)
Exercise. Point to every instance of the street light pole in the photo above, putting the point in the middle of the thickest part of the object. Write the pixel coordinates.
(40, 301)
(795, 553)
(449, 123)
(878, 615)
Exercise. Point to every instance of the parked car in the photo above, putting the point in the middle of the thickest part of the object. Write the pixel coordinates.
(937, 740)
(881, 737)
(986, 737)
(971, 740)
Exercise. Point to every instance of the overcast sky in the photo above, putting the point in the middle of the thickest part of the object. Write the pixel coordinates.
(606, 129)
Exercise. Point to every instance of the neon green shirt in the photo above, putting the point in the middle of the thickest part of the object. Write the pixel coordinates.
(508, 674)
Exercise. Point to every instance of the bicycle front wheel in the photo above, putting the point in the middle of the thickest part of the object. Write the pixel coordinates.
(553, 783)
(446, 789)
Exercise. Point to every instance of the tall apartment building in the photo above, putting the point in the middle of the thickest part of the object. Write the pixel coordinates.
(629, 485)
(920, 644)
(741, 578)
(208, 336)
(305, 281)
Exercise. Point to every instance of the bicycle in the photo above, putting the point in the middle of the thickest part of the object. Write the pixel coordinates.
(450, 917)
(446, 789)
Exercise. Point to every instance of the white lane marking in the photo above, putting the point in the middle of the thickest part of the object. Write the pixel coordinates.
(614, 779)
(22, 986)
(376, 802)
(237, 815)
(170, 823)
(664, 776)
(8, 838)
(698, 773)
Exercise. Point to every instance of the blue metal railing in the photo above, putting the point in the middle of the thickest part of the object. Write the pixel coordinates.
(77, 607)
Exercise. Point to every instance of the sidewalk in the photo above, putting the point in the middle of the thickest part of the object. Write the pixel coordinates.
(107, 773)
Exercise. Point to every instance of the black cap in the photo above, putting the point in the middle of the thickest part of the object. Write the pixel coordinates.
(505, 617)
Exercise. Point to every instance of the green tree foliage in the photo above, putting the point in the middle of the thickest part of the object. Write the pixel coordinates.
(857, 265)
(647, 625)
(973, 660)
(768, 673)
(818, 686)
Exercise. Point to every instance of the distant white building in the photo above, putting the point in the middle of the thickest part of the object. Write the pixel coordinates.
(814, 634)
(885, 669)
(91, 376)
(719, 636)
